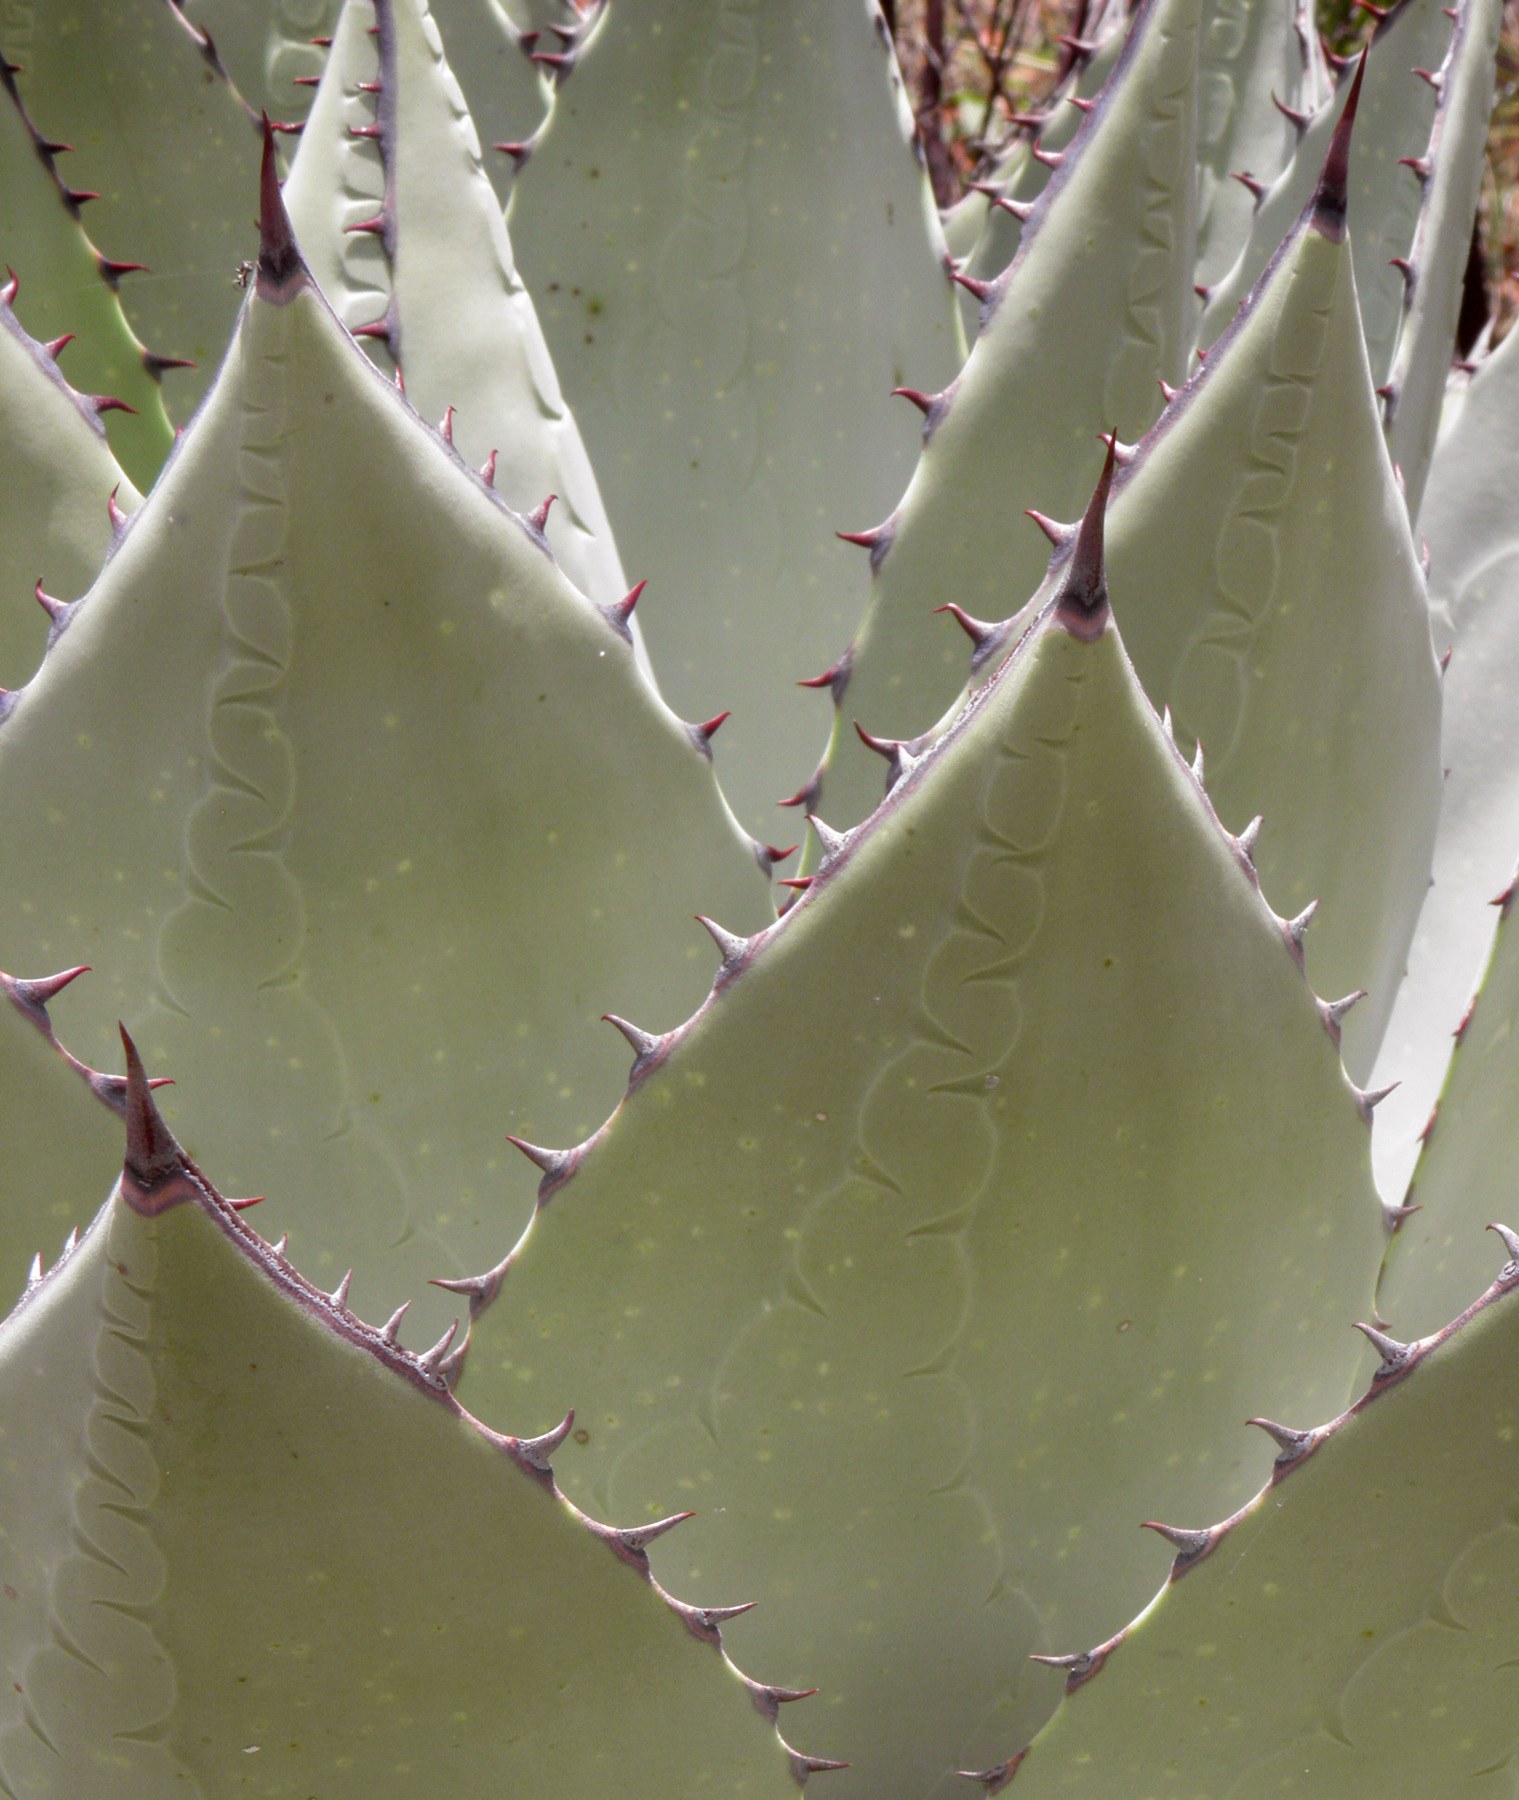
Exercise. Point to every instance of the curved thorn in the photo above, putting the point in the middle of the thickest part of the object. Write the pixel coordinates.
(732, 947)
(278, 1249)
(1255, 187)
(1291, 1445)
(1333, 1011)
(619, 615)
(446, 426)
(637, 1538)
(554, 1163)
(390, 1331)
(538, 518)
(536, 1451)
(1248, 839)
(830, 841)
(488, 470)
(1189, 1546)
(430, 1361)
(1394, 1354)
(1297, 929)
(923, 402)
(1058, 534)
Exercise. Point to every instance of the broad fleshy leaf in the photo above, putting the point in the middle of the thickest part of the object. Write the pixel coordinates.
(69, 289)
(1259, 63)
(1350, 1632)
(434, 277)
(980, 1196)
(168, 175)
(1271, 596)
(734, 255)
(1465, 1175)
(1019, 177)
(56, 518)
(1473, 536)
(1396, 111)
(1450, 171)
(363, 811)
(1077, 333)
(59, 1150)
(251, 1545)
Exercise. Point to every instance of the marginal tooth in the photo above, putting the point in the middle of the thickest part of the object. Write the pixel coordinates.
(488, 470)
(618, 616)
(830, 841)
(1291, 1445)
(1394, 1355)
(1166, 725)
(446, 423)
(552, 1162)
(732, 947)
(71, 1242)
(430, 1361)
(1369, 1099)
(451, 1367)
(1197, 765)
(803, 1766)
(339, 1295)
(34, 1274)
(995, 1779)
(769, 1700)
(1297, 929)
(279, 1248)
(390, 1331)
(644, 1044)
(1511, 1244)
(1333, 1011)
(1058, 534)
(637, 1538)
(538, 518)
(1248, 839)
(1190, 1546)
(536, 1451)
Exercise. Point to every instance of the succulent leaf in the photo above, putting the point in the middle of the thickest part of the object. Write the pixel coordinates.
(368, 812)
(442, 286)
(909, 1299)
(706, 331)
(55, 518)
(170, 176)
(1295, 649)
(60, 1150)
(1258, 64)
(1352, 1630)
(1452, 164)
(1076, 334)
(69, 290)
(1464, 1175)
(1020, 177)
(186, 1416)
(1468, 517)
(1393, 121)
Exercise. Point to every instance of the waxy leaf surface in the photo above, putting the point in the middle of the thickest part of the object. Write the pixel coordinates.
(734, 256)
(1352, 1632)
(253, 1547)
(948, 1235)
(1078, 330)
(363, 812)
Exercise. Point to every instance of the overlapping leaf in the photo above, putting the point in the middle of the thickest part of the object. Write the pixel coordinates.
(1078, 331)
(56, 523)
(732, 250)
(187, 1418)
(1350, 1632)
(985, 1189)
(364, 813)
(1473, 536)
(1293, 645)
(166, 153)
(433, 275)
(1397, 109)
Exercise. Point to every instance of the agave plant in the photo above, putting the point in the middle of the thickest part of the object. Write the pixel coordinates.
(1006, 1164)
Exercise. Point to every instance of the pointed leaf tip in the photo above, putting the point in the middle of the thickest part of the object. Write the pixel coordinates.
(1081, 605)
(1331, 198)
(281, 271)
(154, 1173)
